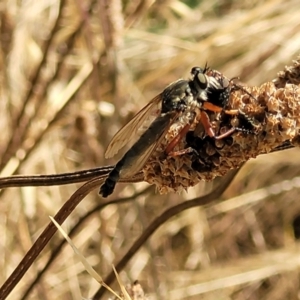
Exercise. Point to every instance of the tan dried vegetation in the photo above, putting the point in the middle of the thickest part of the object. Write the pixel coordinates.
(73, 72)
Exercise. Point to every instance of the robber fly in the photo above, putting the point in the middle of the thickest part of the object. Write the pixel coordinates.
(182, 100)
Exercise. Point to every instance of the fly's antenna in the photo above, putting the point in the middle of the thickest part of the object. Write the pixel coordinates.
(206, 68)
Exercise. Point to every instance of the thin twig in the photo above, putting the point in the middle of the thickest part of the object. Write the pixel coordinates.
(62, 178)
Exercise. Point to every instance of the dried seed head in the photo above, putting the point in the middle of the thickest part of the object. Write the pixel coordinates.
(270, 115)
(291, 74)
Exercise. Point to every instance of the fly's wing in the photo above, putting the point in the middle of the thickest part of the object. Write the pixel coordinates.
(139, 163)
(131, 132)
(142, 150)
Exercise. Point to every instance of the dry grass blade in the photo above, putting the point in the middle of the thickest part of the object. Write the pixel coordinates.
(122, 286)
(252, 197)
(87, 266)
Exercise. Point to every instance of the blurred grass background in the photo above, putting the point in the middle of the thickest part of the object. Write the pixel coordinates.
(71, 74)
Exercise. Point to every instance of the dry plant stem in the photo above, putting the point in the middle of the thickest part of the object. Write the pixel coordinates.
(75, 229)
(72, 177)
(138, 13)
(70, 45)
(53, 179)
(62, 179)
(106, 23)
(46, 235)
(76, 177)
(164, 217)
(71, 204)
(6, 34)
(16, 139)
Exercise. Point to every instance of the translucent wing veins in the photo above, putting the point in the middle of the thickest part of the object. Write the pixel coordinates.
(131, 132)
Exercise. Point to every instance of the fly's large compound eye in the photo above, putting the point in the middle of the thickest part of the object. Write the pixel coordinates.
(199, 77)
(201, 80)
(196, 70)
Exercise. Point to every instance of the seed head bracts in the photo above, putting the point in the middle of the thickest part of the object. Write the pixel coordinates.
(268, 118)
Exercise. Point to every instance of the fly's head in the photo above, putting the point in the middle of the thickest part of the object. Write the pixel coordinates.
(176, 96)
(199, 83)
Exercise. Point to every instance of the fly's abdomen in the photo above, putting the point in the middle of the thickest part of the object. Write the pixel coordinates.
(135, 158)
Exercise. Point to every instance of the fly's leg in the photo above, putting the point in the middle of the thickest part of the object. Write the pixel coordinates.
(183, 152)
(217, 109)
(169, 150)
(209, 129)
(203, 117)
(206, 124)
(182, 133)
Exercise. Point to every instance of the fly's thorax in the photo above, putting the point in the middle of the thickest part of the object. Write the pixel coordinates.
(175, 97)
(188, 115)
(193, 104)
